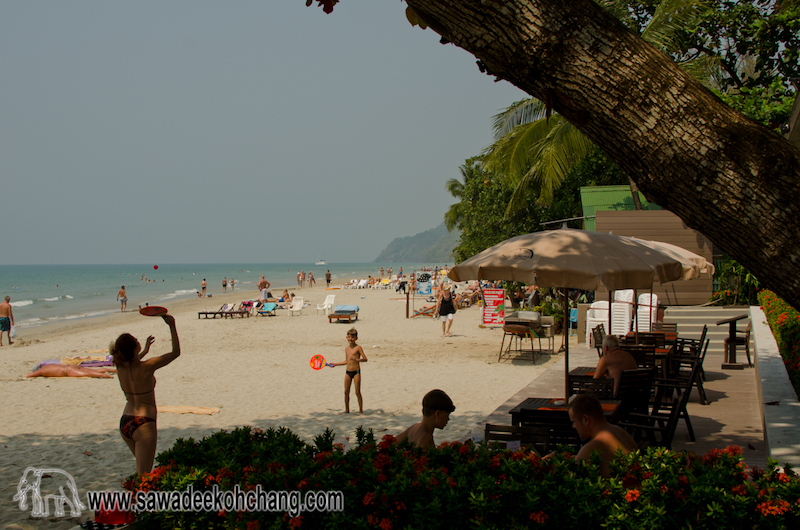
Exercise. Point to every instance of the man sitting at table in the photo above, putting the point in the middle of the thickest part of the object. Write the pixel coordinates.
(588, 419)
(613, 361)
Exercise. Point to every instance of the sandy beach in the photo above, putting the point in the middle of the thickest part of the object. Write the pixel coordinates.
(254, 370)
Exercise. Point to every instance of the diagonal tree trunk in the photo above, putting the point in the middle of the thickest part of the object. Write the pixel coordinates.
(730, 178)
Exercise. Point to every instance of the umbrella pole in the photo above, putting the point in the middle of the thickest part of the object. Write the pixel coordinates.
(636, 315)
(650, 310)
(566, 346)
(610, 302)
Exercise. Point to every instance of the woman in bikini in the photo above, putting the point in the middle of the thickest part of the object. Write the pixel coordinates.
(138, 382)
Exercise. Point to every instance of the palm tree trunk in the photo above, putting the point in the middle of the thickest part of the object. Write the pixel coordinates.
(635, 194)
(723, 174)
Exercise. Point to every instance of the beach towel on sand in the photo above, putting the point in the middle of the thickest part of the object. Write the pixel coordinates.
(181, 409)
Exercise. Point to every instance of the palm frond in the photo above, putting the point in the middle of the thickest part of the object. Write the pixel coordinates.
(512, 155)
(670, 18)
(518, 113)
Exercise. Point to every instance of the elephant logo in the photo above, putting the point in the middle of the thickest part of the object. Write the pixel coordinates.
(32, 481)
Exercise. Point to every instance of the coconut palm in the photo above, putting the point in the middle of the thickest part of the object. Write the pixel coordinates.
(535, 150)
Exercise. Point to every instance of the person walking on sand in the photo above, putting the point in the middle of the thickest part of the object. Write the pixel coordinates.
(203, 287)
(138, 383)
(311, 280)
(6, 319)
(328, 278)
(354, 356)
(436, 409)
(123, 299)
(446, 309)
(224, 285)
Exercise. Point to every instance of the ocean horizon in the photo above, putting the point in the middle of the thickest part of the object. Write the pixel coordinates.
(41, 294)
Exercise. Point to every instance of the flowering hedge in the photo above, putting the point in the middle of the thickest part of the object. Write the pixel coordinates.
(464, 486)
(785, 323)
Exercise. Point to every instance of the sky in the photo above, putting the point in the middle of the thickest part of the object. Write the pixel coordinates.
(245, 131)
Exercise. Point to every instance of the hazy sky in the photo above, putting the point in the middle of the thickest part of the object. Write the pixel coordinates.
(259, 131)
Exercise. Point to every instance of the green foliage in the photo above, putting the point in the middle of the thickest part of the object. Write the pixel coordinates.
(769, 105)
(785, 323)
(738, 286)
(390, 485)
(483, 197)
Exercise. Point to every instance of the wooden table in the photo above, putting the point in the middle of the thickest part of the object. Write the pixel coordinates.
(538, 403)
(732, 364)
(670, 337)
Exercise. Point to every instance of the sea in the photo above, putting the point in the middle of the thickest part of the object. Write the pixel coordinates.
(41, 294)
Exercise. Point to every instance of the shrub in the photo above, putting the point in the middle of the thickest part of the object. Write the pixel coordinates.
(389, 485)
(785, 323)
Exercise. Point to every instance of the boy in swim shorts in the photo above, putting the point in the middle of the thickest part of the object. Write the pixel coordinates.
(436, 409)
(354, 356)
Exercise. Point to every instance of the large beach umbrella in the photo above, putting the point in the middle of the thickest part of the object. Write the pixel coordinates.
(572, 259)
(693, 264)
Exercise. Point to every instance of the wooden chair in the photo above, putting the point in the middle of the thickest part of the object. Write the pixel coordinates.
(658, 427)
(683, 371)
(499, 435)
(740, 341)
(601, 388)
(598, 334)
(645, 356)
(634, 390)
(556, 428)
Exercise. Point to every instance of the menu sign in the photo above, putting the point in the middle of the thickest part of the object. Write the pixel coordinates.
(494, 307)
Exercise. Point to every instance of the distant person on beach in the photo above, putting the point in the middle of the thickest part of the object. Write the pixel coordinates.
(354, 356)
(436, 409)
(298, 279)
(311, 280)
(138, 383)
(58, 370)
(203, 286)
(224, 285)
(613, 361)
(233, 284)
(328, 278)
(123, 299)
(588, 419)
(446, 309)
(6, 319)
(381, 272)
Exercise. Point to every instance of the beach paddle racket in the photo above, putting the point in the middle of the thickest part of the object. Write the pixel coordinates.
(318, 362)
(153, 311)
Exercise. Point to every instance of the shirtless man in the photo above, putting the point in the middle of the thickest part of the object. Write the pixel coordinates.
(203, 287)
(613, 361)
(123, 299)
(6, 319)
(436, 409)
(263, 284)
(590, 422)
(354, 355)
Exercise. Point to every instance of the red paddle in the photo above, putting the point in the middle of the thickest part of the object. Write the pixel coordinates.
(153, 311)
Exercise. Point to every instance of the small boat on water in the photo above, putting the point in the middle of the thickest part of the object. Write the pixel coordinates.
(321, 262)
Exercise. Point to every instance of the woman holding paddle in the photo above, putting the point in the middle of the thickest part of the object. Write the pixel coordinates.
(138, 382)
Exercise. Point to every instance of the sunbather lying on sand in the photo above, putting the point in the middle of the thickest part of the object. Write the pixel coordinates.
(58, 370)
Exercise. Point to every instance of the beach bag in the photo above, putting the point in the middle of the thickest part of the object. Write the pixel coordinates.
(13, 333)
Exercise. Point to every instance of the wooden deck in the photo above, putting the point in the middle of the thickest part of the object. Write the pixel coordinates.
(732, 418)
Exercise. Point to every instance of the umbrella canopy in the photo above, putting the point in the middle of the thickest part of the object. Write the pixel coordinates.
(572, 258)
(693, 264)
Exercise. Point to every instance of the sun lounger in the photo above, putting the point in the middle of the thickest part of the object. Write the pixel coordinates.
(214, 314)
(362, 284)
(267, 309)
(243, 310)
(424, 311)
(344, 312)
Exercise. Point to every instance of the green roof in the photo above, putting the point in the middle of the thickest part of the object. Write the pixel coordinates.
(608, 198)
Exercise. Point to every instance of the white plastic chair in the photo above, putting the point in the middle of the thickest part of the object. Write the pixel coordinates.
(297, 305)
(327, 305)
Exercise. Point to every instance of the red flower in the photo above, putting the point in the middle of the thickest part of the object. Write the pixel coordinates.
(739, 489)
(386, 442)
(296, 522)
(302, 484)
(252, 525)
(632, 495)
(464, 449)
(775, 507)
(369, 498)
(386, 524)
(381, 478)
(538, 517)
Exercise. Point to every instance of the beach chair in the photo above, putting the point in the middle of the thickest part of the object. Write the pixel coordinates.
(348, 313)
(268, 309)
(297, 305)
(213, 314)
(362, 284)
(424, 311)
(384, 284)
(327, 305)
(242, 311)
